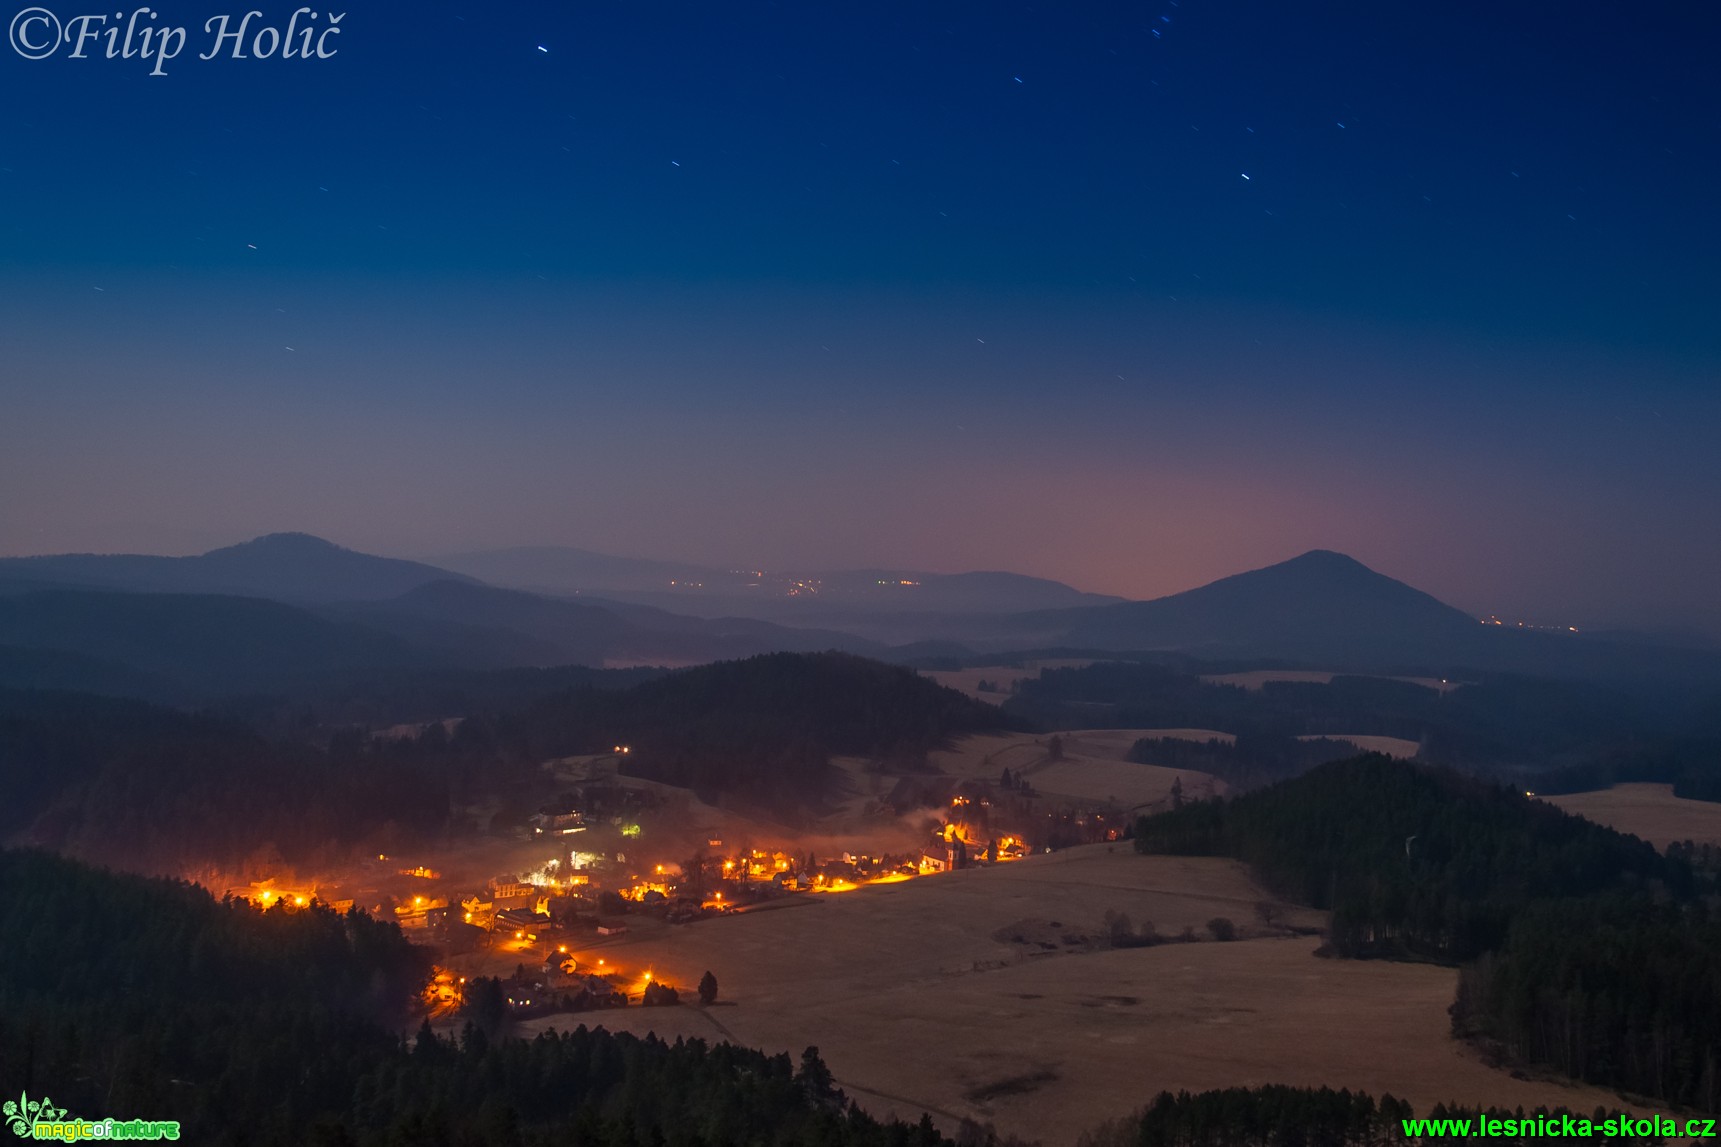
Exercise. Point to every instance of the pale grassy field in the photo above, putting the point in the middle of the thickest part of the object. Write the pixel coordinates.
(1255, 678)
(1003, 676)
(920, 997)
(1391, 746)
(1648, 811)
(1093, 767)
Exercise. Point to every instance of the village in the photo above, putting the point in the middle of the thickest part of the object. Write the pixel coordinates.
(609, 856)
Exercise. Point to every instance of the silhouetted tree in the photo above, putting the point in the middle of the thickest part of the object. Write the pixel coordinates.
(814, 1076)
(486, 1005)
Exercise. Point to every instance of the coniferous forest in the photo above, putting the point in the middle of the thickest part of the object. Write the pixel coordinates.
(1279, 1116)
(1582, 950)
(132, 997)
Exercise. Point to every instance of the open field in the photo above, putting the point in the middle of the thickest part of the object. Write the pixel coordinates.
(1004, 677)
(1649, 811)
(1255, 678)
(921, 997)
(1092, 767)
(1391, 746)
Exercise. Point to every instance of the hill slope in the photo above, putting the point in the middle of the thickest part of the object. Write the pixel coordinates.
(765, 727)
(285, 567)
(198, 643)
(1317, 603)
(530, 629)
(1410, 859)
(1331, 611)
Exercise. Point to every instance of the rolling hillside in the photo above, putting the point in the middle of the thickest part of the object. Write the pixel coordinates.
(285, 567)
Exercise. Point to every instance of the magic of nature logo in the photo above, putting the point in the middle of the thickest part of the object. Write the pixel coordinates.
(40, 1119)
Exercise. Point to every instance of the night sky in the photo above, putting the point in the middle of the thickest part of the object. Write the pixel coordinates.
(1129, 295)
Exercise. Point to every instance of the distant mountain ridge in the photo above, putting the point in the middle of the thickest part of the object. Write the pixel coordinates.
(592, 631)
(785, 596)
(285, 608)
(565, 569)
(1318, 601)
(284, 567)
(1330, 611)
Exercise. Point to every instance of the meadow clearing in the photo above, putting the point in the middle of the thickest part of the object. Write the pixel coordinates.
(1649, 811)
(992, 994)
(1091, 765)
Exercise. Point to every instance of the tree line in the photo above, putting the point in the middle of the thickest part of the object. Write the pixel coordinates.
(1279, 1116)
(1532, 730)
(1583, 949)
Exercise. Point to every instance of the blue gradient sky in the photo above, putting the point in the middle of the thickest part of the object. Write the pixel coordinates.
(944, 286)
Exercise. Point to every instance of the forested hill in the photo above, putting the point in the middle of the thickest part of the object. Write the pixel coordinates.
(148, 787)
(156, 789)
(764, 727)
(1544, 909)
(1411, 859)
(131, 998)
